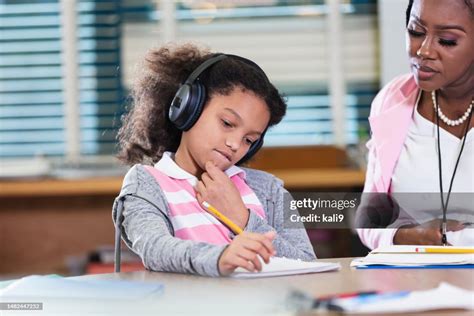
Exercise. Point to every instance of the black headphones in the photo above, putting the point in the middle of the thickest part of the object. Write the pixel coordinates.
(188, 102)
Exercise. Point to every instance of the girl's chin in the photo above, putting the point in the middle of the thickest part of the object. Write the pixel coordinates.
(219, 164)
(220, 161)
(222, 165)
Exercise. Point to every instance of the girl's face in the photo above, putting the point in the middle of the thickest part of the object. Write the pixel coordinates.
(224, 132)
(440, 44)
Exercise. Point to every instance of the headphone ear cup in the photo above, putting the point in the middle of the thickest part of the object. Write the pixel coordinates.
(178, 104)
(197, 96)
(252, 150)
(178, 111)
(187, 105)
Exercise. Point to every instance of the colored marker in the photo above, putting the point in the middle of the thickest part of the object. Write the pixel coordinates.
(445, 250)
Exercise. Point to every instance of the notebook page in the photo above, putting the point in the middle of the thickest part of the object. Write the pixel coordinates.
(419, 259)
(279, 266)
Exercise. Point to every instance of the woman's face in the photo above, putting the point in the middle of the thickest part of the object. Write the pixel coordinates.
(226, 129)
(440, 44)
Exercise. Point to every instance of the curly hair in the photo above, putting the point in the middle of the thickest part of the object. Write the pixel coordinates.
(146, 130)
(468, 3)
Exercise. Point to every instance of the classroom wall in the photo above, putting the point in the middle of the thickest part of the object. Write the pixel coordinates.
(44, 234)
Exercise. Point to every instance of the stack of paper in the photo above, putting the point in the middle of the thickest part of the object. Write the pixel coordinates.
(464, 237)
(417, 256)
(445, 296)
(284, 266)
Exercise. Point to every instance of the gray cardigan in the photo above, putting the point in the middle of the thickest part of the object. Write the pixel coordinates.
(147, 230)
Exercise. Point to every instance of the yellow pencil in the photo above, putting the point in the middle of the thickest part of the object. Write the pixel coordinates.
(445, 250)
(226, 221)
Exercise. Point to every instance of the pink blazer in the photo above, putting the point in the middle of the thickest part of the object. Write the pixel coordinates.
(389, 119)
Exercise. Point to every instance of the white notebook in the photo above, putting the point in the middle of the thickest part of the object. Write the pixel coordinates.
(407, 256)
(283, 266)
(47, 287)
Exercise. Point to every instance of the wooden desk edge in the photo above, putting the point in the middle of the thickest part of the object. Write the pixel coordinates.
(294, 179)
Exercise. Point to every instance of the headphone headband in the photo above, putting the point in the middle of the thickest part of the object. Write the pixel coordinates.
(202, 67)
(217, 58)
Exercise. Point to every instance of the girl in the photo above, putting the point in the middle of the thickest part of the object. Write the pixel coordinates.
(195, 116)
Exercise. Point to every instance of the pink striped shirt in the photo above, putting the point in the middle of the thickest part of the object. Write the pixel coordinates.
(190, 221)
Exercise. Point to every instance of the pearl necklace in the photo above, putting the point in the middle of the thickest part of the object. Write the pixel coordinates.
(444, 118)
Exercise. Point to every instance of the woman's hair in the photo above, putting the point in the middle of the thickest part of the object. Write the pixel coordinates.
(469, 4)
(146, 130)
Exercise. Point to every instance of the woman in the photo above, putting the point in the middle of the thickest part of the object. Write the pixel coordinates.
(410, 112)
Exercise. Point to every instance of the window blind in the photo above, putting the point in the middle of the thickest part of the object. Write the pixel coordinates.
(31, 88)
(288, 39)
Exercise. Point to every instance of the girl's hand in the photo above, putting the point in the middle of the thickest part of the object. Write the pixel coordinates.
(244, 251)
(427, 234)
(218, 190)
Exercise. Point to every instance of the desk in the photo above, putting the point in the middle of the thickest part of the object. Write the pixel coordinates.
(306, 178)
(187, 294)
(63, 208)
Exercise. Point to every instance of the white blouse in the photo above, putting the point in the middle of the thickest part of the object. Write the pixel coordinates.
(415, 180)
(417, 166)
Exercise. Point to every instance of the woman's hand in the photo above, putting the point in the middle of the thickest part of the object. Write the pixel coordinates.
(244, 251)
(218, 190)
(426, 234)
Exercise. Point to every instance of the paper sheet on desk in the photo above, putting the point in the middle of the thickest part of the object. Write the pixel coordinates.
(47, 287)
(407, 256)
(445, 296)
(414, 259)
(463, 237)
(284, 266)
